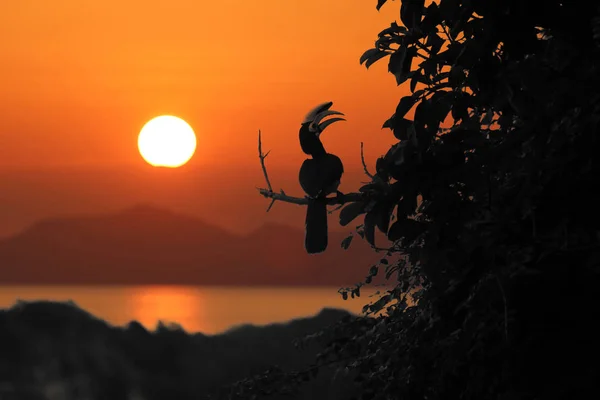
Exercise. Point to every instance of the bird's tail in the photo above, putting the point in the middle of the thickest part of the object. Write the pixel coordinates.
(315, 239)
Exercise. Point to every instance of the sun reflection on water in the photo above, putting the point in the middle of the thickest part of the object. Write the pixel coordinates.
(209, 310)
(169, 304)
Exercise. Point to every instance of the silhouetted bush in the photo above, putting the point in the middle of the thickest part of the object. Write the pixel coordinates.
(491, 196)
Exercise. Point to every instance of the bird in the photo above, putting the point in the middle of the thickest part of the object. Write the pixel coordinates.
(319, 175)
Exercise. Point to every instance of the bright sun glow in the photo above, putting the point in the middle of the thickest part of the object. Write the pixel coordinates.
(167, 141)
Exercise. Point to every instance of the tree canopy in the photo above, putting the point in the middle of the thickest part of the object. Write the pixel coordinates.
(490, 200)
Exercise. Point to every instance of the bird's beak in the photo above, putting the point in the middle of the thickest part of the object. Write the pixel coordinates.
(318, 113)
(325, 124)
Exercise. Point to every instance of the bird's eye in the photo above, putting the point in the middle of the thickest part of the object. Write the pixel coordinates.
(313, 127)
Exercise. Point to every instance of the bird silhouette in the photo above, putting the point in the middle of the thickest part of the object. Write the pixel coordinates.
(319, 175)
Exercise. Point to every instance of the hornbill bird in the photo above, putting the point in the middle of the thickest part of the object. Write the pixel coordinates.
(319, 176)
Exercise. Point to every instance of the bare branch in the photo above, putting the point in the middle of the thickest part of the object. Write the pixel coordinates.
(302, 201)
(362, 159)
(262, 157)
(422, 47)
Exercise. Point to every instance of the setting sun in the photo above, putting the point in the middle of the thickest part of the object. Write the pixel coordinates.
(167, 141)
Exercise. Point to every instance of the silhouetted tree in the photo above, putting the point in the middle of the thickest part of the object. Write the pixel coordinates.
(490, 197)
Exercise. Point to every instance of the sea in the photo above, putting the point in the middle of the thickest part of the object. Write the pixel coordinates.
(209, 310)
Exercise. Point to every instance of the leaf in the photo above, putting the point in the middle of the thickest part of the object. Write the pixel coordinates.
(414, 81)
(371, 56)
(422, 111)
(392, 154)
(450, 55)
(407, 206)
(370, 222)
(397, 61)
(346, 242)
(376, 58)
(431, 19)
(397, 190)
(404, 106)
(369, 187)
(460, 107)
(368, 54)
(380, 4)
(407, 229)
(393, 29)
(381, 166)
(400, 128)
(429, 68)
(350, 212)
(457, 76)
(435, 42)
(407, 65)
(389, 270)
(412, 135)
(389, 123)
(400, 63)
(379, 304)
(373, 270)
(488, 117)
(384, 212)
(441, 105)
(411, 12)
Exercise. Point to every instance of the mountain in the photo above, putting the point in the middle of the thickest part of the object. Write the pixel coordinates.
(30, 195)
(150, 245)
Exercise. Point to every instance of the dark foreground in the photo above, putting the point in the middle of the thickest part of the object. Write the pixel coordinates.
(58, 351)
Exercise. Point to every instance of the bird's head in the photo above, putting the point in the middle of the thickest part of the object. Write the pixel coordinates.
(314, 119)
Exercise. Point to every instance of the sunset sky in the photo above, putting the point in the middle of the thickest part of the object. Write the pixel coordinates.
(80, 78)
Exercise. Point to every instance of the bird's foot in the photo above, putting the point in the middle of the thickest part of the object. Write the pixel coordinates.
(340, 197)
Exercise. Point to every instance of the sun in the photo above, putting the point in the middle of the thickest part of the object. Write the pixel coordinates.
(167, 141)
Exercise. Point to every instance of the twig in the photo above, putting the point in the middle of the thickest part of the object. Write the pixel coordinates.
(270, 194)
(447, 32)
(422, 47)
(362, 159)
(336, 208)
(262, 157)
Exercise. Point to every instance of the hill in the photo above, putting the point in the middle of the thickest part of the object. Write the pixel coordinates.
(56, 350)
(149, 245)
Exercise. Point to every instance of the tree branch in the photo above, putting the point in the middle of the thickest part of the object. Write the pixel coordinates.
(302, 201)
(262, 157)
(281, 196)
(262, 160)
(362, 159)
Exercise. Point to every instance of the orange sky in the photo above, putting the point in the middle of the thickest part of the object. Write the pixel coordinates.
(80, 78)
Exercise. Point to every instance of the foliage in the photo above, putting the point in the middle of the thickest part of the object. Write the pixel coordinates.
(490, 197)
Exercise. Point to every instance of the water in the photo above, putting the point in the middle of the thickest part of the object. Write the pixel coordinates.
(197, 309)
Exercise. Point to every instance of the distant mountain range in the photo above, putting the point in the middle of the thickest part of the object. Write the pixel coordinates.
(150, 245)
